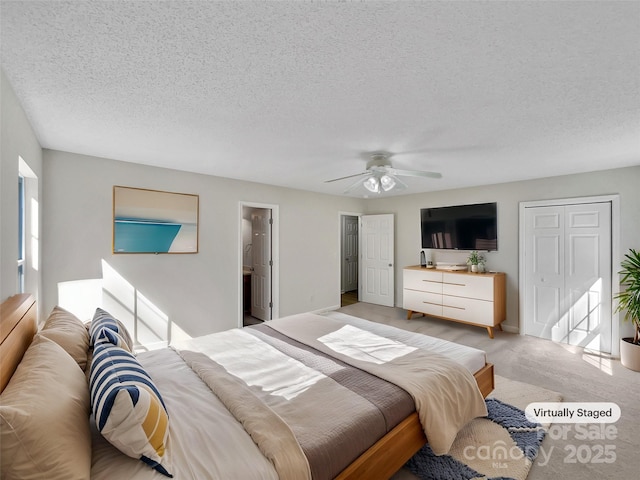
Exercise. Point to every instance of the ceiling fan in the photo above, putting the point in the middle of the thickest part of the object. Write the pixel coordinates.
(380, 176)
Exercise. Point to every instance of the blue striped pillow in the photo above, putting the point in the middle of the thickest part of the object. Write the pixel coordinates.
(106, 328)
(127, 406)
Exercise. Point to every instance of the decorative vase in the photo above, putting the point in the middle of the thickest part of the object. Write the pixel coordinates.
(474, 268)
(630, 354)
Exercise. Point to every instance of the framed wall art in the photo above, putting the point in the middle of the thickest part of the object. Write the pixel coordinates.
(153, 221)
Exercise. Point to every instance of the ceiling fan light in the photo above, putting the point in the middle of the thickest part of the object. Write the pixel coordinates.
(372, 184)
(387, 182)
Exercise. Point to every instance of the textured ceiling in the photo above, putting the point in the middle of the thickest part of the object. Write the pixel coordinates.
(292, 93)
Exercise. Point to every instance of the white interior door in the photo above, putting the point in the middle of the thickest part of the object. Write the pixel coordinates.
(544, 272)
(567, 278)
(377, 259)
(349, 253)
(261, 303)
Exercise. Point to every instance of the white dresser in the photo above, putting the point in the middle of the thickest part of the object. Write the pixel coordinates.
(473, 298)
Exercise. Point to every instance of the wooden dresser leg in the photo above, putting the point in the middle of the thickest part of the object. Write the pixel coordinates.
(490, 330)
(409, 314)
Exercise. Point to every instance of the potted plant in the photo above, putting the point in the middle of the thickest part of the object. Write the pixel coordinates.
(476, 261)
(629, 301)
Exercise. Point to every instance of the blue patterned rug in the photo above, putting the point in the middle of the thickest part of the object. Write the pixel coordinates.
(501, 446)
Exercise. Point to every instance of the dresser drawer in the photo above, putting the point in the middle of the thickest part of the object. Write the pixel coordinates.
(423, 280)
(471, 286)
(423, 302)
(480, 312)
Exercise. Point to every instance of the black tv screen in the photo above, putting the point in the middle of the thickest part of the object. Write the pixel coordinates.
(460, 227)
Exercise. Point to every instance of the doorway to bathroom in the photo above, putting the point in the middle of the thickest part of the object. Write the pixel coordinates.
(258, 263)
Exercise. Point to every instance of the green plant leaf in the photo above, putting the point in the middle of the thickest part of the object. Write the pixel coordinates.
(629, 298)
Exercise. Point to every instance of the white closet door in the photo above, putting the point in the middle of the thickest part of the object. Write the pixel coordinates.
(567, 274)
(587, 275)
(544, 288)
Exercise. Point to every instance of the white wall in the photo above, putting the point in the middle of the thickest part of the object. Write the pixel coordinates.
(200, 292)
(624, 182)
(78, 215)
(17, 139)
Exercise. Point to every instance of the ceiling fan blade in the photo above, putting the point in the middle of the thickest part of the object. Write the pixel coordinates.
(400, 185)
(355, 185)
(414, 173)
(348, 176)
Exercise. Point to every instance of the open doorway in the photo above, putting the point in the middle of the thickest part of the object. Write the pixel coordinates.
(258, 263)
(349, 265)
(367, 271)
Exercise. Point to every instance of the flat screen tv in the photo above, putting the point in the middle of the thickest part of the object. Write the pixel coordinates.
(460, 227)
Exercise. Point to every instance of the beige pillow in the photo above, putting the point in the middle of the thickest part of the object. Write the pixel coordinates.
(44, 417)
(69, 332)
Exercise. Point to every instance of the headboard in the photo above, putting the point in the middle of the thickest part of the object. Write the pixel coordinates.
(18, 325)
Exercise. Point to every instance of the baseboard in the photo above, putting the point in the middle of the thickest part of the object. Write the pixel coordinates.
(509, 328)
(326, 309)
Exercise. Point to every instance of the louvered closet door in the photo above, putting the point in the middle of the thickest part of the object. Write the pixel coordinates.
(567, 274)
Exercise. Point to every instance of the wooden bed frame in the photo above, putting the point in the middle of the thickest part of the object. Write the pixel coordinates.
(392, 451)
(18, 325)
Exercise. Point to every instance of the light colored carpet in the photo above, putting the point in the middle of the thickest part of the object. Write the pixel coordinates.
(520, 394)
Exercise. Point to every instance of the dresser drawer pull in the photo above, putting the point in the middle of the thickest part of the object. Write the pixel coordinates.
(456, 284)
(452, 306)
(431, 303)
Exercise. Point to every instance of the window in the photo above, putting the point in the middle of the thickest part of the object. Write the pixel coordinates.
(21, 234)
(28, 247)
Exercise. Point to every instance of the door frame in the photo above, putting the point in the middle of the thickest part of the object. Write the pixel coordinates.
(615, 254)
(340, 215)
(275, 257)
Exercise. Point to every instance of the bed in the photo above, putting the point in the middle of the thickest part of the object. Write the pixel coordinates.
(210, 434)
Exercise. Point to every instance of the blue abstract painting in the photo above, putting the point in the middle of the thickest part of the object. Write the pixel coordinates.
(151, 221)
(143, 236)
